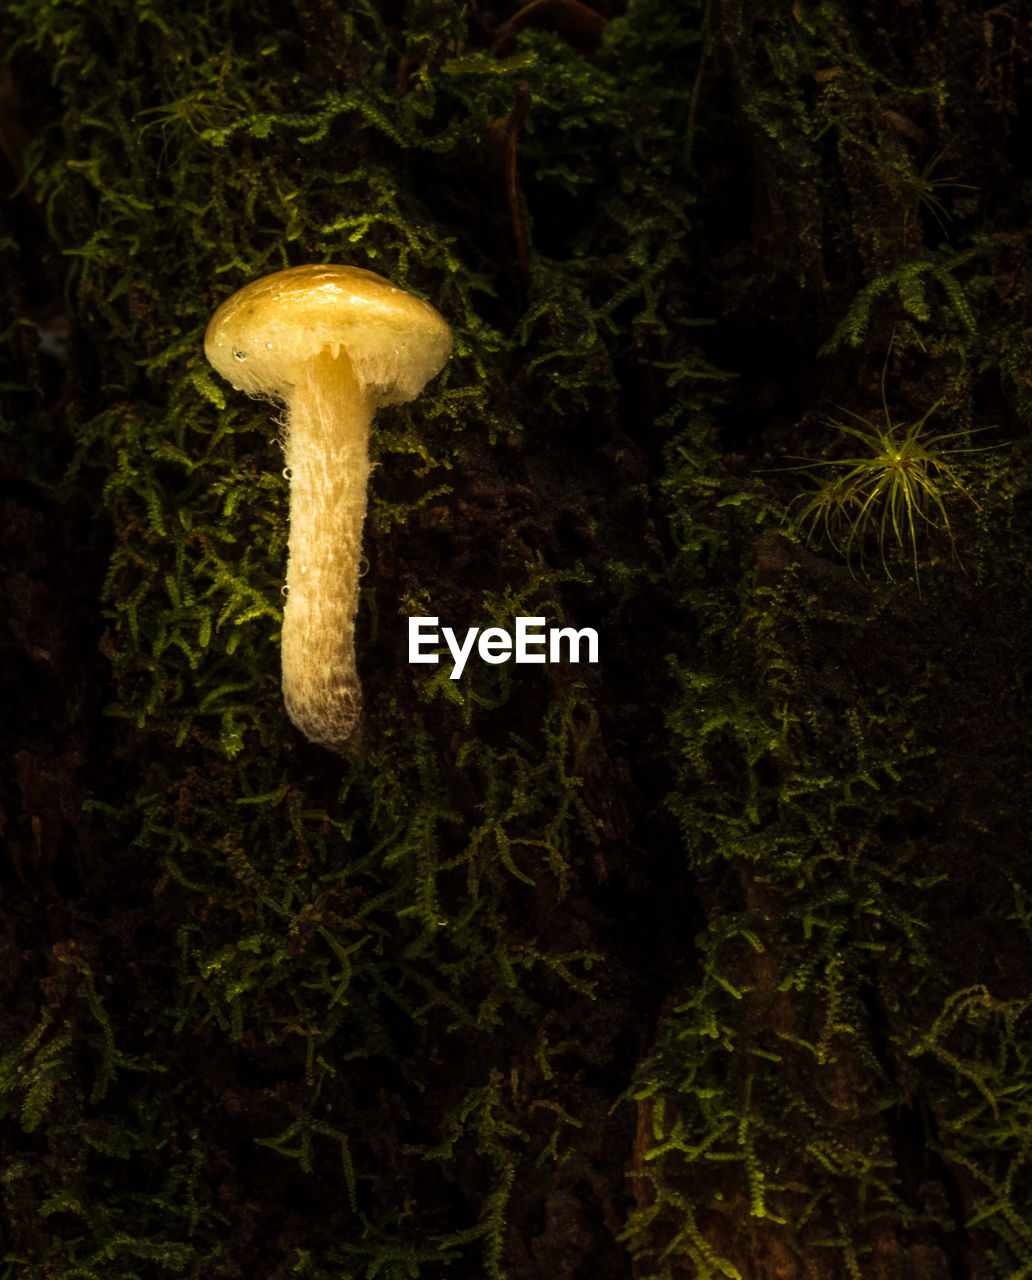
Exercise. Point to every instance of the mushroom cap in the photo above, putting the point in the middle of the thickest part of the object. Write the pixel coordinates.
(259, 337)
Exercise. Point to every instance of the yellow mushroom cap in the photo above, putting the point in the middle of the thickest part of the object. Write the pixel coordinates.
(259, 337)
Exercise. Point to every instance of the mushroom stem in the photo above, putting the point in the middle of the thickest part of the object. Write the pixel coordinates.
(327, 456)
(333, 343)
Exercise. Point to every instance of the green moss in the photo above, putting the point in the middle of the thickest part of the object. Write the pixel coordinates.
(395, 1012)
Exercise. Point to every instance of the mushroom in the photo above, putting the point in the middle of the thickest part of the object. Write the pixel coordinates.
(332, 344)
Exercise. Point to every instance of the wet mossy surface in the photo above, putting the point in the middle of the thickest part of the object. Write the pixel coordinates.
(709, 960)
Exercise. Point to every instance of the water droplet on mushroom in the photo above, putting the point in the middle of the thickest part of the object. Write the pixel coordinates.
(287, 474)
(284, 590)
(363, 567)
(239, 355)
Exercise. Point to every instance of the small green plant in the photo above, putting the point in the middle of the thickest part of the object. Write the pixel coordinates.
(901, 482)
(926, 191)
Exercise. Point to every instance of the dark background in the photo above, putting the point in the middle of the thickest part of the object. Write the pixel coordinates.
(711, 960)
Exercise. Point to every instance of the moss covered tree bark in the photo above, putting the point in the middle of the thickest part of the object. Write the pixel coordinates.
(711, 959)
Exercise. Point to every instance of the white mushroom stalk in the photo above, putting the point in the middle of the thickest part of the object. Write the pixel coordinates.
(332, 343)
